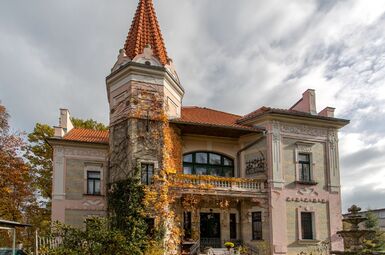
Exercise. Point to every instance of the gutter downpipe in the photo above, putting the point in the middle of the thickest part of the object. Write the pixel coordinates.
(264, 132)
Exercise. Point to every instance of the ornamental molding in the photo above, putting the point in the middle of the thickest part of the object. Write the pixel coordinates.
(304, 147)
(306, 199)
(304, 130)
(333, 137)
(307, 191)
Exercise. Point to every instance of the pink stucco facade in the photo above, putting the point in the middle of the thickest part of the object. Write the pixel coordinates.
(277, 184)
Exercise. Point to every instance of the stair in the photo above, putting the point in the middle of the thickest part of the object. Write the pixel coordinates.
(219, 251)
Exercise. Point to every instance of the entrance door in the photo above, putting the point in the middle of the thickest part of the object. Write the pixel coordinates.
(210, 230)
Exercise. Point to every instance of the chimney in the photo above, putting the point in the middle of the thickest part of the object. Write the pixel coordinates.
(306, 103)
(65, 124)
(327, 112)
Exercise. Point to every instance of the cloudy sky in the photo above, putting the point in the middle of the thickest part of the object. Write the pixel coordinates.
(231, 55)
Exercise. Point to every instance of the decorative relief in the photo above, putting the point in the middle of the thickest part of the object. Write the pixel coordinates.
(304, 130)
(304, 147)
(306, 199)
(333, 138)
(275, 131)
(307, 191)
(255, 163)
(91, 203)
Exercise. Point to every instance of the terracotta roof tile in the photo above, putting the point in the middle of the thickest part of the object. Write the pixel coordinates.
(207, 116)
(145, 31)
(87, 135)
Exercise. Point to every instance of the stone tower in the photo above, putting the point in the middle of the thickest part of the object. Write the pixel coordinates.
(143, 89)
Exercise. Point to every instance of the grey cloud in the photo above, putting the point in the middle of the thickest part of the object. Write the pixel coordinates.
(366, 197)
(231, 55)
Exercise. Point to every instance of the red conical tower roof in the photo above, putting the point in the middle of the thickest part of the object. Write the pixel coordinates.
(145, 31)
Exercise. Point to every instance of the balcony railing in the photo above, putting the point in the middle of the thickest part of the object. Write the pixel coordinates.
(217, 183)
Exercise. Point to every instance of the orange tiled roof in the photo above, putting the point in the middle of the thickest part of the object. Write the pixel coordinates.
(207, 116)
(145, 31)
(87, 135)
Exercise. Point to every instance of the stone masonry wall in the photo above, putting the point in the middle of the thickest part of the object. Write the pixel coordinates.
(137, 133)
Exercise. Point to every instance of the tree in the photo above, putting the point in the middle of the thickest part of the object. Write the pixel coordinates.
(15, 190)
(14, 173)
(88, 124)
(97, 238)
(39, 155)
(377, 240)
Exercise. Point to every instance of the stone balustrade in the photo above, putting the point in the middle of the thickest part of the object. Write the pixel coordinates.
(217, 183)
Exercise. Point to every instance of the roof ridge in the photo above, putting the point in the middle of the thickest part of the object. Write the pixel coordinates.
(200, 107)
(145, 30)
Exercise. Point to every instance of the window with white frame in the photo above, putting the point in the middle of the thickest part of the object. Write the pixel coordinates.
(93, 182)
(307, 226)
(304, 167)
(304, 163)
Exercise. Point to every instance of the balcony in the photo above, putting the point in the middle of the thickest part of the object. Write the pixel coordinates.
(216, 185)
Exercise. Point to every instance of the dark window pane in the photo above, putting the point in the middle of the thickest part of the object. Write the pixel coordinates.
(147, 173)
(201, 158)
(188, 158)
(305, 172)
(257, 225)
(187, 169)
(233, 226)
(307, 225)
(92, 174)
(97, 187)
(206, 163)
(227, 162)
(90, 187)
(216, 171)
(228, 172)
(215, 159)
(201, 170)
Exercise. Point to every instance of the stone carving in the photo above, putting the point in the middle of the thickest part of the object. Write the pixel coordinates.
(304, 147)
(304, 130)
(306, 199)
(307, 191)
(333, 138)
(255, 164)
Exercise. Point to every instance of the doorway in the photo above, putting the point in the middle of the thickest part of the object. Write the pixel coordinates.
(210, 230)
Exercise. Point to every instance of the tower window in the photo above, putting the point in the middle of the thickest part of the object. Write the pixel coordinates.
(147, 173)
(208, 163)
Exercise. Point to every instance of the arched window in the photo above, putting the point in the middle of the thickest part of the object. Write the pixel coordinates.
(208, 163)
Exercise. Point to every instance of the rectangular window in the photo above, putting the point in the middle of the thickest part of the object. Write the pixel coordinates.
(307, 225)
(187, 225)
(233, 226)
(150, 226)
(304, 167)
(93, 182)
(257, 225)
(147, 173)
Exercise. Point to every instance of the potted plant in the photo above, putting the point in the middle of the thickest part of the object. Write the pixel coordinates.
(229, 245)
